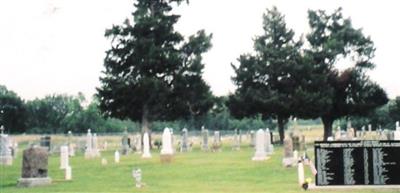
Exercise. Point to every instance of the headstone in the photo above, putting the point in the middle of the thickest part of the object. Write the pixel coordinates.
(288, 160)
(116, 156)
(397, 125)
(146, 146)
(6, 157)
(125, 143)
(236, 140)
(64, 158)
(34, 168)
(185, 141)
(45, 141)
(216, 146)
(166, 150)
(367, 162)
(204, 134)
(89, 147)
(260, 153)
(252, 138)
(68, 173)
(268, 143)
(71, 145)
(369, 129)
(138, 144)
(137, 175)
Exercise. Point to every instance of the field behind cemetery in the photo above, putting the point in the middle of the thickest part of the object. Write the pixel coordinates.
(196, 171)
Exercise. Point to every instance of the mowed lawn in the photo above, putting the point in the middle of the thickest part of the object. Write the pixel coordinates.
(196, 171)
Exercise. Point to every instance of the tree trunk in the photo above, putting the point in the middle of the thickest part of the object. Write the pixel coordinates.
(281, 128)
(145, 119)
(327, 121)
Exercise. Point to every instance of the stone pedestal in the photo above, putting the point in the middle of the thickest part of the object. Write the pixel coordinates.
(33, 182)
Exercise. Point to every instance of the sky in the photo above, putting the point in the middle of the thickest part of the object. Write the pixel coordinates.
(58, 46)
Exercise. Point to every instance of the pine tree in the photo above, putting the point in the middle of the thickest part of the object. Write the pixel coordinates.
(151, 71)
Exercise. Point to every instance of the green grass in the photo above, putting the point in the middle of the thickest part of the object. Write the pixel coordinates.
(226, 171)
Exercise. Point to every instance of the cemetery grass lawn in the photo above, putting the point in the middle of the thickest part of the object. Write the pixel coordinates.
(196, 171)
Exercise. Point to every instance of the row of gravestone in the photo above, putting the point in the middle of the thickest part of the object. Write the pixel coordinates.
(379, 134)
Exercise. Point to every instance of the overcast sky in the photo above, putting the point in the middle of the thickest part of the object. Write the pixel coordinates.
(57, 46)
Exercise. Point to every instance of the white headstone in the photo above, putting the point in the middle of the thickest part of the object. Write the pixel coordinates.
(5, 150)
(64, 158)
(146, 146)
(138, 144)
(397, 125)
(116, 156)
(260, 153)
(88, 150)
(68, 173)
(166, 142)
(396, 133)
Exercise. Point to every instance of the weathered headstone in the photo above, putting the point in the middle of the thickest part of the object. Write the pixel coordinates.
(104, 161)
(146, 146)
(260, 153)
(34, 168)
(64, 158)
(302, 143)
(204, 134)
(125, 145)
(6, 157)
(288, 159)
(185, 141)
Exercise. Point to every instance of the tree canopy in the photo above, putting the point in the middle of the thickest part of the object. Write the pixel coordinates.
(332, 40)
(151, 71)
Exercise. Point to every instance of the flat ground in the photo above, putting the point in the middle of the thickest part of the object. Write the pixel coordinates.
(196, 171)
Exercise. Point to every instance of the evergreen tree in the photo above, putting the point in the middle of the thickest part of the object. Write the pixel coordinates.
(151, 72)
(349, 92)
(268, 82)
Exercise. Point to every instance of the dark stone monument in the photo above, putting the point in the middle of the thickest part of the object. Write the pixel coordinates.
(34, 168)
(45, 141)
(357, 162)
